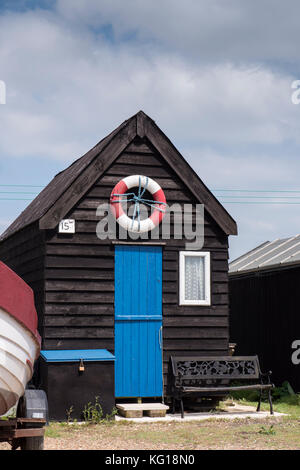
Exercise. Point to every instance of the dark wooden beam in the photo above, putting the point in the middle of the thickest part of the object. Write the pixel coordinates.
(140, 120)
(117, 242)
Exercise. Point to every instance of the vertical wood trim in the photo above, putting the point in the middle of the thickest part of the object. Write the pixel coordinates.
(140, 127)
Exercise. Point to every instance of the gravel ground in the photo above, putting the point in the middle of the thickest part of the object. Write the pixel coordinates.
(272, 433)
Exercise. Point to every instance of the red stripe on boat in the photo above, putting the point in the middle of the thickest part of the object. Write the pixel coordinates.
(17, 299)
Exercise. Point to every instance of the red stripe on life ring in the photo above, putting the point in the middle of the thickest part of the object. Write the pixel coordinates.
(116, 207)
(158, 215)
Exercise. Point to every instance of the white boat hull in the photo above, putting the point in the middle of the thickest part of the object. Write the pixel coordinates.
(18, 351)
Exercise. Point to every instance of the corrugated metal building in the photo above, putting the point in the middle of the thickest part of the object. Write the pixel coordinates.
(265, 307)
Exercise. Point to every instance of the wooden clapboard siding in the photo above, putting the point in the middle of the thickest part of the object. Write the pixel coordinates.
(24, 253)
(73, 276)
(79, 272)
(265, 320)
(79, 343)
(72, 184)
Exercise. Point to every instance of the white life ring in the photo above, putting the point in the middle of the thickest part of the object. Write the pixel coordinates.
(159, 207)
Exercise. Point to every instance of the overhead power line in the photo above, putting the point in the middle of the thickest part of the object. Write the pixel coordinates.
(218, 190)
(262, 197)
(286, 203)
(16, 192)
(259, 190)
(247, 196)
(22, 186)
(261, 202)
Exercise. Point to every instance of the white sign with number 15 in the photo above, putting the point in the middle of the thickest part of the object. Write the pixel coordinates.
(66, 226)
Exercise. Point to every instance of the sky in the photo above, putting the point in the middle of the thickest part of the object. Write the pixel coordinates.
(215, 76)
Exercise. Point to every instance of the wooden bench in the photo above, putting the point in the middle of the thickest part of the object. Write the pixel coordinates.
(214, 377)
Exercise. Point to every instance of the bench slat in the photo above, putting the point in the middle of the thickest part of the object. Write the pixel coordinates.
(226, 389)
(211, 367)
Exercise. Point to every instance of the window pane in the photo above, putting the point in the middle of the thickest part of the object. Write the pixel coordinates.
(194, 278)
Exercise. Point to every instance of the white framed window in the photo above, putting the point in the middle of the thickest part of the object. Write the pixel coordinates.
(194, 278)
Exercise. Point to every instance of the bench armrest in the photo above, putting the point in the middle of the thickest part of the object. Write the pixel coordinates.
(265, 376)
(174, 371)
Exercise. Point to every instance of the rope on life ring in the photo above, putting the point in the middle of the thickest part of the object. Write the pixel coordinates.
(119, 194)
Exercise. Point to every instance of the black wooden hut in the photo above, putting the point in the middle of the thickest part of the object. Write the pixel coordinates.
(132, 299)
(264, 287)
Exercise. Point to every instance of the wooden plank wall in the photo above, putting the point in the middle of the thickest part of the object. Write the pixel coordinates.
(265, 320)
(24, 253)
(79, 286)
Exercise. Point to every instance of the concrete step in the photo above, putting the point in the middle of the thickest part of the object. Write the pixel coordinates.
(137, 410)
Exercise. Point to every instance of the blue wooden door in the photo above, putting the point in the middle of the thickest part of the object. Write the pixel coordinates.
(138, 321)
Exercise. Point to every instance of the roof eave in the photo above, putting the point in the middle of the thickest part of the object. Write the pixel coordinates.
(110, 148)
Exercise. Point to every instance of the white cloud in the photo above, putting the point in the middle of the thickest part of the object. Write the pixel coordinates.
(68, 88)
(211, 31)
(244, 170)
(202, 71)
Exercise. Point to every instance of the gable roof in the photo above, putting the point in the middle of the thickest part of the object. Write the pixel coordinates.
(270, 255)
(68, 186)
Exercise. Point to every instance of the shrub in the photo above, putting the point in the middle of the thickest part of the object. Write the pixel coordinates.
(284, 394)
(93, 413)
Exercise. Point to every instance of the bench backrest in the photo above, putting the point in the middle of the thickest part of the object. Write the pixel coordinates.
(215, 367)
